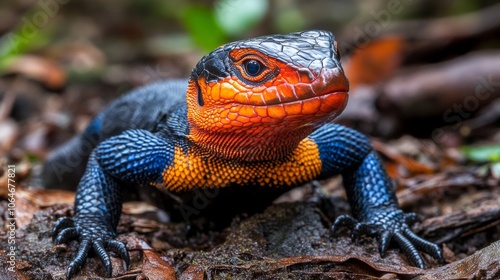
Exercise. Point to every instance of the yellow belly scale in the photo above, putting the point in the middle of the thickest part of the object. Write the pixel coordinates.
(191, 170)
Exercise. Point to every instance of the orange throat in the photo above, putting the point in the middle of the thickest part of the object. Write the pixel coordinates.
(268, 144)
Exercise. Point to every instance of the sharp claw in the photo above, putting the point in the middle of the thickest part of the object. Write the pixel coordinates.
(103, 256)
(435, 251)
(409, 250)
(438, 253)
(392, 225)
(119, 248)
(80, 258)
(385, 240)
(61, 223)
(66, 234)
(72, 269)
(426, 246)
(93, 236)
(341, 221)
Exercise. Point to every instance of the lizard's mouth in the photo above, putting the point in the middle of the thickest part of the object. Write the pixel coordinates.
(273, 102)
(326, 95)
(312, 108)
(318, 106)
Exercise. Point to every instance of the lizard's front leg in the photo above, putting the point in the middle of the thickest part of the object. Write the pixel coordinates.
(134, 157)
(373, 202)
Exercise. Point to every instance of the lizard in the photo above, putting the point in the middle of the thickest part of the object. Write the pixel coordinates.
(253, 121)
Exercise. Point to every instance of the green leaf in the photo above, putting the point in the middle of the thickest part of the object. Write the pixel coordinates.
(203, 27)
(238, 16)
(487, 153)
(28, 35)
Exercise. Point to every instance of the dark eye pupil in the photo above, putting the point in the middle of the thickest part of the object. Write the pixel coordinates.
(253, 67)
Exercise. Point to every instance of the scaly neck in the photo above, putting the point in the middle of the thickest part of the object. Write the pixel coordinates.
(246, 146)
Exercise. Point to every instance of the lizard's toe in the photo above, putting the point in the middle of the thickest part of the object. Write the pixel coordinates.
(98, 247)
(79, 260)
(61, 224)
(424, 245)
(343, 221)
(409, 250)
(119, 248)
(65, 235)
(392, 225)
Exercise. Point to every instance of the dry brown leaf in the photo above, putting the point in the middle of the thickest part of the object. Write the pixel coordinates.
(43, 70)
(29, 201)
(398, 159)
(375, 62)
(483, 264)
(380, 267)
(448, 89)
(154, 267)
(47, 197)
(193, 272)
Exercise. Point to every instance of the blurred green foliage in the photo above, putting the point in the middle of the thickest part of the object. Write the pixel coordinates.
(487, 153)
(24, 38)
(206, 23)
(209, 25)
(202, 25)
(238, 16)
(212, 26)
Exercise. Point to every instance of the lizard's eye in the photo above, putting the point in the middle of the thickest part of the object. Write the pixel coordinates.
(253, 67)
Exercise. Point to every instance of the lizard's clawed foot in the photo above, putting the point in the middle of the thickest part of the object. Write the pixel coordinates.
(93, 236)
(391, 225)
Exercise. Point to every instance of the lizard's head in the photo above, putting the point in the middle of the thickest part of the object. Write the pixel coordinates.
(264, 95)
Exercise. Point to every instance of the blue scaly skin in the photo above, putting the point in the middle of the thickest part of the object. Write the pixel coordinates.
(252, 122)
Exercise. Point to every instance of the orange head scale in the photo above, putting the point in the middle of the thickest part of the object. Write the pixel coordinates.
(257, 99)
